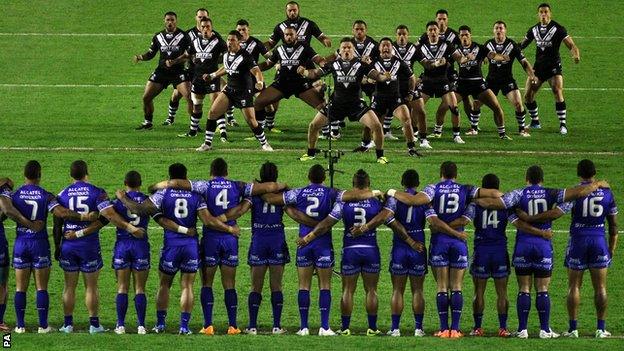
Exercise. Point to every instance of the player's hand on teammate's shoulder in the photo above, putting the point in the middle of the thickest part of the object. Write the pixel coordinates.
(603, 184)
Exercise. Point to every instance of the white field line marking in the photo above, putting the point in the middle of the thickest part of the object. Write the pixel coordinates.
(238, 150)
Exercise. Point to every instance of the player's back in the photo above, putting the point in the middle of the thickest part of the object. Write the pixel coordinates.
(33, 202)
(180, 206)
(135, 220)
(83, 197)
(357, 214)
(490, 225)
(266, 219)
(449, 199)
(589, 213)
(413, 218)
(316, 201)
(535, 199)
(221, 194)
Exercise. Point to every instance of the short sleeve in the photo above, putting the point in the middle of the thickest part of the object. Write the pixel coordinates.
(612, 209)
(529, 34)
(315, 30)
(290, 196)
(517, 53)
(429, 190)
(339, 195)
(275, 58)
(483, 52)
(201, 203)
(430, 212)
(470, 211)
(336, 212)
(422, 39)
(51, 201)
(563, 33)
(471, 191)
(512, 198)
(391, 204)
(154, 45)
(5, 191)
(157, 198)
(512, 217)
(247, 188)
(102, 201)
(200, 186)
(261, 48)
(277, 34)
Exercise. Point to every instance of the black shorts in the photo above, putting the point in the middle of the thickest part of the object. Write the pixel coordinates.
(545, 71)
(384, 106)
(200, 86)
(504, 86)
(239, 98)
(368, 89)
(472, 88)
(289, 89)
(166, 77)
(436, 88)
(338, 112)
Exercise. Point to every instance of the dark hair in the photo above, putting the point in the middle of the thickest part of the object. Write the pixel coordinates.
(78, 169)
(401, 26)
(432, 23)
(490, 181)
(242, 22)
(448, 170)
(292, 3)
(385, 39)
(290, 27)
(177, 171)
(501, 22)
(205, 19)
(133, 179)
(359, 22)
(171, 13)
(347, 40)
(316, 174)
(202, 9)
(544, 4)
(236, 34)
(585, 169)
(535, 175)
(268, 172)
(465, 27)
(410, 179)
(361, 179)
(32, 170)
(218, 167)
(442, 11)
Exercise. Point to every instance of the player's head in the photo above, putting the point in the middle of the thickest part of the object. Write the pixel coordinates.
(465, 35)
(359, 29)
(347, 48)
(290, 35)
(402, 34)
(78, 170)
(32, 171)
(385, 48)
(448, 170)
(201, 13)
(534, 175)
(233, 40)
(205, 25)
(410, 179)
(171, 21)
(177, 171)
(586, 169)
(442, 19)
(544, 12)
(268, 172)
(361, 180)
(490, 181)
(133, 180)
(292, 10)
(433, 30)
(242, 26)
(500, 29)
(316, 174)
(218, 168)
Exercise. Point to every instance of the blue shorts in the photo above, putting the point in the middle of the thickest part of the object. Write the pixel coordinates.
(31, 254)
(179, 258)
(533, 258)
(219, 250)
(131, 253)
(4, 253)
(268, 251)
(490, 262)
(448, 253)
(406, 261)
(360, 259)
(85, 257)
(590, 251)
(319, 256)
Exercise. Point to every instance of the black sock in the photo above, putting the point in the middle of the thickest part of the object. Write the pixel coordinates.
(311, 152)
(149, 118)
(379, 153)
(211, 126)
(560, 107)
(533, 110)
(411, 145)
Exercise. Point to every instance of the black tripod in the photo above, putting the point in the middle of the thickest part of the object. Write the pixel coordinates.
(330, 154)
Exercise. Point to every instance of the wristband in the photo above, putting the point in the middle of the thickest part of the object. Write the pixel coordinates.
(183, 230)
(80, 233)
(391, 192)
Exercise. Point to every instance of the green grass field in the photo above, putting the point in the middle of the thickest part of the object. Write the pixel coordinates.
(70, 91)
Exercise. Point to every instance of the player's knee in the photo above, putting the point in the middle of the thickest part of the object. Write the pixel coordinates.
(197, 99)
(454, 110)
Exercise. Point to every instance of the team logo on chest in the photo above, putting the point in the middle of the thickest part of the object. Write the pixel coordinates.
(364, 49)
(433, 51)
(468, 51)
(169, 43)
(204, 48)
(290, 56)
(544, 36)
(348, 77)
(231, 63)
(388, 66)
(250, 46)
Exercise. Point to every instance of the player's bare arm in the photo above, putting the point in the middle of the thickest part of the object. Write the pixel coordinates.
(323, 227)
(213, 222)
(119, 222)
(440, 226)
(7, 208)
(528, 228)
(378, 220)
(237, 211)
(417, 199)
(491, 203)
(399, 230)
(299, 216)
(574, 50)
(613, 233)
(580, 191)
(145, 208)
(170, 225)
(546, 216)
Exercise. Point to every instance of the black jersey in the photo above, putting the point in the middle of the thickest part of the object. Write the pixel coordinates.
(170, 46)
(195, 33)
(306, 29)
(206, 54)
(237, 66)
(400, 74)
(430, 52)
(369, 47)
(548, 39)
(406, 53)
(347, 78)
(290, 57)
(502, 71)
(471, 69)
(254, 47)
(449, 36)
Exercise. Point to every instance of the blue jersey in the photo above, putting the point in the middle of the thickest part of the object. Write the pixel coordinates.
(180, 206)
(357, 214)
(34, 203)
(490, 225)
(83, 198)
(534, 199)
(221, 194)
(413, 218)
(449, 200)
(6, 192)
(135, 220)
(589, 213)
(266, 219)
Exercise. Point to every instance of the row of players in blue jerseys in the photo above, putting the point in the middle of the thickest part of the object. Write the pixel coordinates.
(81, 209)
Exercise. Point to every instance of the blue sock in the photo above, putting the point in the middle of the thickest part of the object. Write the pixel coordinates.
(304, 307)
(418, 320)
(502, 320)
(94, 321)
(43, 305)
(185, 317)
(478, 320)
(442, 303)
(231, 304)
(253, 303)
(325, 307)
(523, 307)
(346, 321)
(372, 321)
(122, 309)
(396, 321)
(140, 305)
(542, 304)
(2, 311)
(20, 308)
(572, 325)
(207, 302)
(600, 325)
(277, 303)
(69, 320)
(160, 317)
(457, 304)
